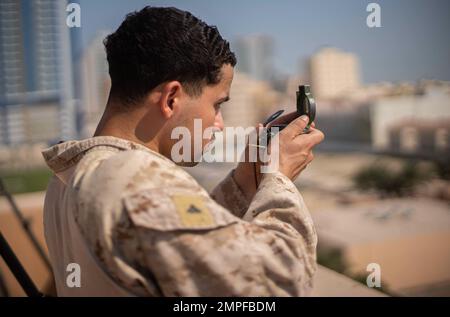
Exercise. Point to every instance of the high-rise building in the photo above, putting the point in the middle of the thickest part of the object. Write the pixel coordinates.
(333, 72)
(96, 83)
(36, 72)
(255, 56)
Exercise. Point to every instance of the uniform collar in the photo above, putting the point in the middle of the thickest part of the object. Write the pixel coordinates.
(66, 154)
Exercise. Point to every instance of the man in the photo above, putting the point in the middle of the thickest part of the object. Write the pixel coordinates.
(134, 222)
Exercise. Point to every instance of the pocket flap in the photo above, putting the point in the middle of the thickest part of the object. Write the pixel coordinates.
(179, 210)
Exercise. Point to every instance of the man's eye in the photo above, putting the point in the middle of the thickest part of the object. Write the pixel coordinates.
(217, 106)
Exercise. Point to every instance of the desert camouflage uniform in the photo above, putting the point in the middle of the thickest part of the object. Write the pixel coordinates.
(137, 224)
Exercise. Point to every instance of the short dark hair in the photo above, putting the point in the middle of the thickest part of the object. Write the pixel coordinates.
(156, 44)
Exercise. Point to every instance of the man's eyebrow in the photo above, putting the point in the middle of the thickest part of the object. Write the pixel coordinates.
(224, 99)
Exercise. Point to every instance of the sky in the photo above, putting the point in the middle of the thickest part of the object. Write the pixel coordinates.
(412, 43)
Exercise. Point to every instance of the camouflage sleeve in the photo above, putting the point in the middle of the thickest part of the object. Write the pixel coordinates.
(195, 247)
(228, 194)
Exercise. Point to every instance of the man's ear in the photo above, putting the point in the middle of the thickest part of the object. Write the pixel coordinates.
(170, 98)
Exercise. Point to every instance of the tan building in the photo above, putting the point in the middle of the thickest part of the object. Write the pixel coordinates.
(251, 102)
(333, 72)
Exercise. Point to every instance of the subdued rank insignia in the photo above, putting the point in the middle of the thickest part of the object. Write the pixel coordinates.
(192, 210)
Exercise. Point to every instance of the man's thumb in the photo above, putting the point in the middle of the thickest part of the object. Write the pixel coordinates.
(297, 126)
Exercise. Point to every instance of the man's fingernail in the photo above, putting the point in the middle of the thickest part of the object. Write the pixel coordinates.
(305, 118)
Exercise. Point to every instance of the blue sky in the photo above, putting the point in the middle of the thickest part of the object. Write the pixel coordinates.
(413, 42)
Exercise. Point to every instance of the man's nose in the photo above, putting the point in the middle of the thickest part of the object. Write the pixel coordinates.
(218, 122)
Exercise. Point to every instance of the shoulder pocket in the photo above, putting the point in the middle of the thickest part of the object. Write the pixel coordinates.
(179, 210)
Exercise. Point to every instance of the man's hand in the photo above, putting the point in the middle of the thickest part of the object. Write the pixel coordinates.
(295, 153)
(295, 147)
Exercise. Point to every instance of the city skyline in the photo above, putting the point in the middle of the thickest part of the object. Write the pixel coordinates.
(410, 45)
(37, 70)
